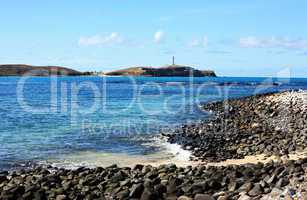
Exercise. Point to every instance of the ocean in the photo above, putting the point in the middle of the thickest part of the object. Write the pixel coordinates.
(73, 121)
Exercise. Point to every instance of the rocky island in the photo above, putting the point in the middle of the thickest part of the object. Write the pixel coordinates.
(170, 70)
(30, 70)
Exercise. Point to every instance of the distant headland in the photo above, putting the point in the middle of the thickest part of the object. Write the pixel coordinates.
(30, 70)
(171, 70)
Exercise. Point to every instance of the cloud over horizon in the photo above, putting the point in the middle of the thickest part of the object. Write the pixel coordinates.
(196, 42)
(272, 42)
(159, 36)
(98, 40)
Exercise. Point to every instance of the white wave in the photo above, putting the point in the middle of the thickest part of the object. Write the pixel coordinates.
(179, 153)
(169, 153)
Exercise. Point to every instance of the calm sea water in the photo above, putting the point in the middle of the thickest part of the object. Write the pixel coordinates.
(42, 117)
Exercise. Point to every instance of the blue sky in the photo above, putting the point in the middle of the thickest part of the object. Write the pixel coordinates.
(235, 38)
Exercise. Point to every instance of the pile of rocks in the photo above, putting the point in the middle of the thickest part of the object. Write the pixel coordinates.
(262, 124)
(250, 181)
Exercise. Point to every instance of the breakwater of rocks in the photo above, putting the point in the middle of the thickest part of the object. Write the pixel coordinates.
(251, 181)
(270, 124)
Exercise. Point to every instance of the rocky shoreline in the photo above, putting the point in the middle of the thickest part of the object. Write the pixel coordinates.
(270, 124)
(251, 181)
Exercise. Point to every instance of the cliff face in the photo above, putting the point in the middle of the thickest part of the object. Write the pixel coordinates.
(19, 70)
(172, 70)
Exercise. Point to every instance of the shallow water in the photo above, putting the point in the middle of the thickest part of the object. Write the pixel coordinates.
(65, 119)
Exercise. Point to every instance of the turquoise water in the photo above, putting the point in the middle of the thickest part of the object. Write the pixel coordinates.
(43, 117)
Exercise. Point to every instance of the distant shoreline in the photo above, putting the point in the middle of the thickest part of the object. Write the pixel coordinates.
(30, 70)
(169, 71)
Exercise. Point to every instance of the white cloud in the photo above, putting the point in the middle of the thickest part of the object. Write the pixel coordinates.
(272, 42)
(98, 40)
(203, 42)
(159, 36)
